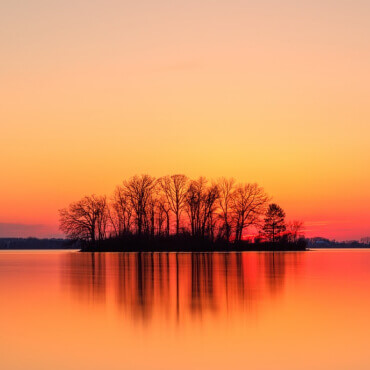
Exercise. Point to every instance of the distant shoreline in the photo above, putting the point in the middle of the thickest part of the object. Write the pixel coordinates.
(36, 244)
(165, 245)
(183, 251)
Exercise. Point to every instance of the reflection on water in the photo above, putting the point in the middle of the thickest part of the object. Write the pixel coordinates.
(177, 284)
(66, 310)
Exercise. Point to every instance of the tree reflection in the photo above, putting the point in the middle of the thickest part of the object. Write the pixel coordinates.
(177, 286)
(275, 271)
(87, 276)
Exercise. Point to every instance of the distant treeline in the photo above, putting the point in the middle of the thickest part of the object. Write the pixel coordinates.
(34, 243)
(150, 209)
(327, 243)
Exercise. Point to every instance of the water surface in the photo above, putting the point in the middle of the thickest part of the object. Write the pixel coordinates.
(70, 310)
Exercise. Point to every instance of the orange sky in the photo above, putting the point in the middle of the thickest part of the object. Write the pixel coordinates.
(274, 92)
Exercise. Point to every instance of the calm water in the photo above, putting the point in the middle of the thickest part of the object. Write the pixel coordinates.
(69, 310)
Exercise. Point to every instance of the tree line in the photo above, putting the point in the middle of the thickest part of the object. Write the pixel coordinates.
(176, 205)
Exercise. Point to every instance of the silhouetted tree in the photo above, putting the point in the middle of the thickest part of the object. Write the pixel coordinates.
(175, 188)
(365, 240)
(248, 204)
(201, 206)
(194, 197)
(294, 229)
(164, 210)
(274, 222)
(120, 212)
(143, 205)
(86, 219)
(139, 191)
(209, 209)
(226, 191)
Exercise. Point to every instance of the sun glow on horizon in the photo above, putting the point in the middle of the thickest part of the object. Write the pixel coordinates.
(269, 92)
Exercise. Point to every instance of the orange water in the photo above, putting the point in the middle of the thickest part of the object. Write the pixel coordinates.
(69, 310)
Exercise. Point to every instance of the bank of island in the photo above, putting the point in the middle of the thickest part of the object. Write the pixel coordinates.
(185, 243)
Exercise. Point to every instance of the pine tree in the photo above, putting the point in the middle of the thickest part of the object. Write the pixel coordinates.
(274, 222)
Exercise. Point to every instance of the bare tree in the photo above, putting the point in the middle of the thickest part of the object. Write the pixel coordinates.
(163, 214)
(209, 209)
(139, 191)
(248, 204)
(85, 219)
(226, 191)
(151, 210)
(201, 206)
(175, 190)
(144, 205)
(120, 212)
(102, 219)
(365, 240)
(295, 230)
(194, 200)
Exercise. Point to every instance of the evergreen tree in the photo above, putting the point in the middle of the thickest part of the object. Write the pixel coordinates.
(274, 222)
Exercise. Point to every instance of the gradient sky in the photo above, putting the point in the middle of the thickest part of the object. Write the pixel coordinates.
(274, 92)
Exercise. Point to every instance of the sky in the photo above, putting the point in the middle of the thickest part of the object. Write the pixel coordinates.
(273, 92)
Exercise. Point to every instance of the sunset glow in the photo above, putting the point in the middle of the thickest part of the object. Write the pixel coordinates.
(273, 92)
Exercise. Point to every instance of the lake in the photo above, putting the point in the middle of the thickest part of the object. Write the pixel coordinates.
(283, 310)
